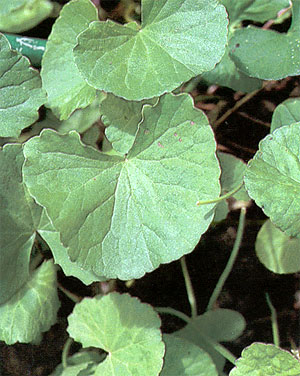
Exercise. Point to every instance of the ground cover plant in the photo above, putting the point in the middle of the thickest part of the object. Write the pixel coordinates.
(110, 170)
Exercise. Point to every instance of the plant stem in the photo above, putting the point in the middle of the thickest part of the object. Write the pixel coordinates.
(230, 262)
(69, 294)
(206, 339)
(274, 321)
(65, 353)
(189, 287)
(221, 198)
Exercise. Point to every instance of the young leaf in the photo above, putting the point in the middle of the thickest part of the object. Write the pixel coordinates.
(175, 42)
(286, 113)
(20, 91)
(65, 87)
(32, 310)
(272, 178)
(125, 328)
(183, 358)
(122, 118)
(262, 359)
(278, 55)
(123, 216)
(81, 364)
(20, 15)
(277, 251)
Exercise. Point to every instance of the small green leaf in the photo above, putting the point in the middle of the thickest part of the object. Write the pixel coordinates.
(183, 358)
(260, 359)
(65, 87)
(278, 55)
(32, 310)
(20, 15)
(122, 118)
(80, 364)
(125, 328)
(288, 112)
(20, 91)
(272, 178)
(175, 42)
(124, 216)
(277, 251)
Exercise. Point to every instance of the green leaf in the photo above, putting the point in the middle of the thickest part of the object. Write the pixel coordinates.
(288, 112)
(175, 42)
(272, 178)
(219, 325)
(80, 364)
(260, 359)
(133, 212)
(20, 91)
(183, 358)
(278, 55)
(19, 220)
(122, 118)
(277, 251)
(32, 310)
(65, 87)
(125, 328)
(20, 15)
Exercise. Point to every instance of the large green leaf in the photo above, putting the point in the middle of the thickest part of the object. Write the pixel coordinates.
(175, 42)
(19, 219)
(65, 87)
(123, 216)
(183, 358)
(125, 328)
(261, 359)
(277, 251)
(272, 178)
(32, 310)
(20, 91)
(20, 15)
(278, 55)
(288, 112)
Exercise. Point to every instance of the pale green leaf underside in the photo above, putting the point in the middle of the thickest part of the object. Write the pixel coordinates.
(272, 178)
(288, 112)
(183, 358)
(20, 91)
(260, 359)
(65, 87)
(32, 310)
(278, 55)
(123, 216)
(21, 15)
(125, 328)
(176, 42)
(277, 251)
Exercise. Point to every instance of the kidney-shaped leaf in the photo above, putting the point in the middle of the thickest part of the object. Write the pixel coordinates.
(272, 178)
(65, 87)
(175, 42)
(288, 112)
(278, 55)
(125, 328)
(262, 359)
(20, 91)
(123, 216)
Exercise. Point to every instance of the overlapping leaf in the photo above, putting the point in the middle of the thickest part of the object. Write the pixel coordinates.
(65, 87)
(20, 91)
(125, 328)
(263, 359)
(278, 55)
(175, 42)
(123, 216)
(32, 310)
(286, 113)
(80, 364)
(272, 178)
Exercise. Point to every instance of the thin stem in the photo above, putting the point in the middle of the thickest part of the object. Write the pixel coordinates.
(274, 321)
(230, 262)
(206, 339)
(221, 198)
(189, 287)
(65, 352)
(69, 294)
